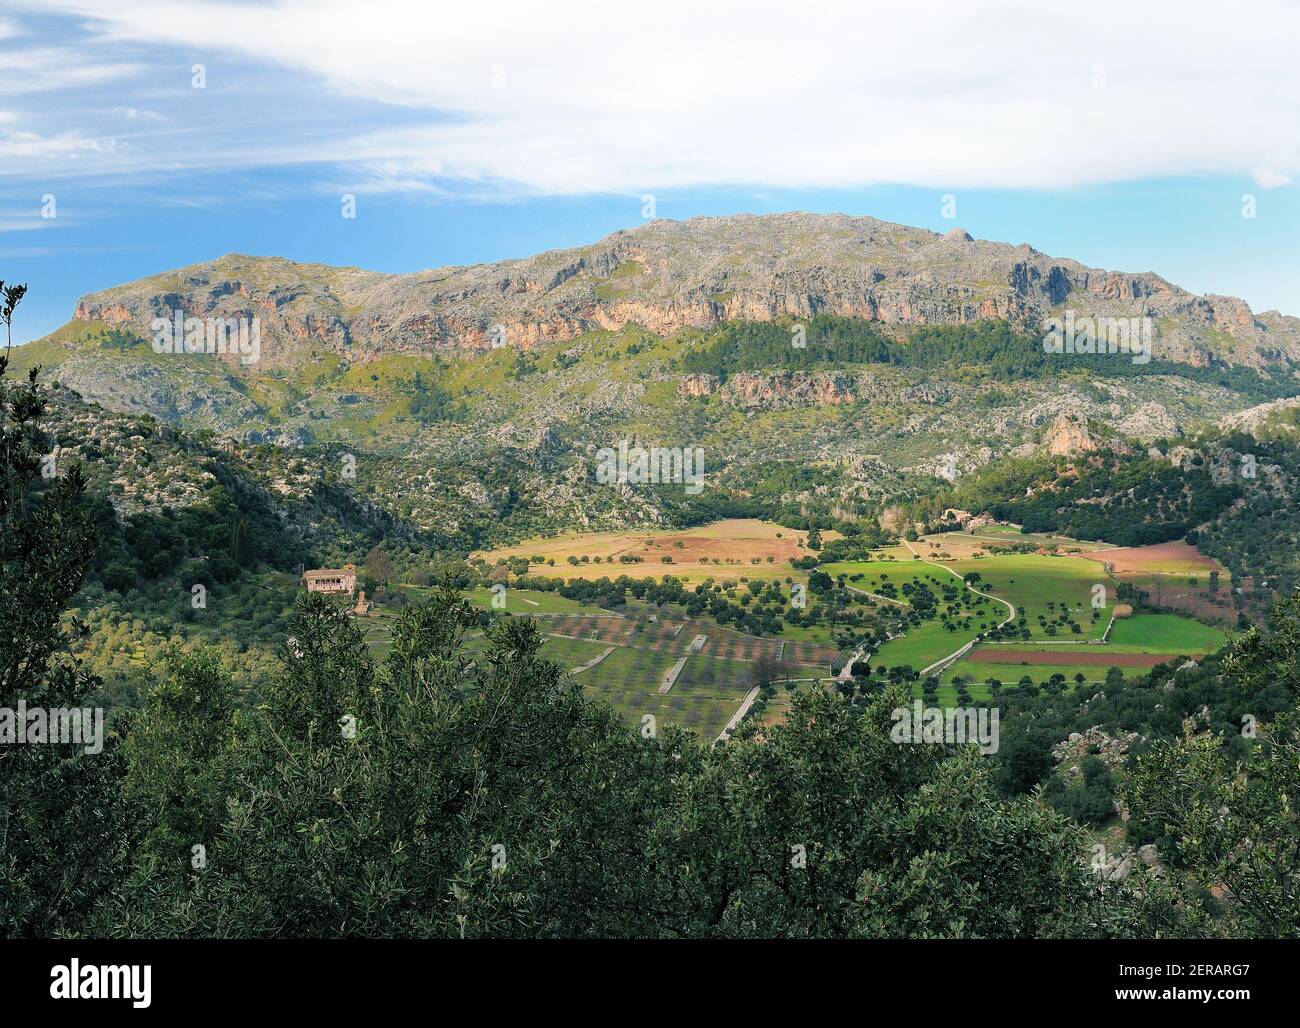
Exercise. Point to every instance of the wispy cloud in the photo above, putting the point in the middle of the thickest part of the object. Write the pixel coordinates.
(35, 150)
(136, 114)
(26, 252)
(49, 69)
(567, 98)
(26, 221)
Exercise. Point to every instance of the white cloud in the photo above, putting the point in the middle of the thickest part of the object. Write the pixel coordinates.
(26, 221)
(569, 97)
(45, 69)
(136, 113)
(1267, 178)
(32, 148)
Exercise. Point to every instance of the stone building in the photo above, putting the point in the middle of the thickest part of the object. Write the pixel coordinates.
(332, 580)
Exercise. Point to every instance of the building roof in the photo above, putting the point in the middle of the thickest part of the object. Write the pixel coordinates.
(346, 569)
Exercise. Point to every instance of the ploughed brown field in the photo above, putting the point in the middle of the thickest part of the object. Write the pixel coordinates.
(1067, 655)
(1176, 558)
(1176, 576)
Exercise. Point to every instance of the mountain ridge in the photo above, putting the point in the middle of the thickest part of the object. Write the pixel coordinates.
(669, 276)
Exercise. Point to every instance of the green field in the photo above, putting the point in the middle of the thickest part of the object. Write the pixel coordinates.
(1169, 635)
(528, 601)
(1165, 633)
(1031, 582)
(878, 574)
(1037, 585)
(921, 646)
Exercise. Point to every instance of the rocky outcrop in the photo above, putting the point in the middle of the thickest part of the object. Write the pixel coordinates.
(698, 385)
(1118, 867)
(1149, 422)
(1113, 751)
(1253, 419)
(1068, 436)
(789, 388)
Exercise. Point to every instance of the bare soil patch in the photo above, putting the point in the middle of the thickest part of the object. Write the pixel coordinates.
(1175, 558)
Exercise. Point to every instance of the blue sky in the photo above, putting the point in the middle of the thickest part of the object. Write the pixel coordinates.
(477, 135)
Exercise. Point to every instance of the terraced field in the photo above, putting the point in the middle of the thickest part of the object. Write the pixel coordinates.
(706, 693)
(712, 683)
(571, 653)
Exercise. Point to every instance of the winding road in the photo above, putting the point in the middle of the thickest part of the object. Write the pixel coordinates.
(961, 651)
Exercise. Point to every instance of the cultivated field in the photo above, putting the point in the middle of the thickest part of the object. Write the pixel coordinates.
(993, 539)
(1063, 593)
(1174, 558)
(1177, 576)
(729, 548)
(624, 658)
(1166, 633)
(1043, 588)
(1136, 643)
(1091, 656)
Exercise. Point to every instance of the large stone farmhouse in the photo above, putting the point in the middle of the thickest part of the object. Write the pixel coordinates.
(332, 580)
